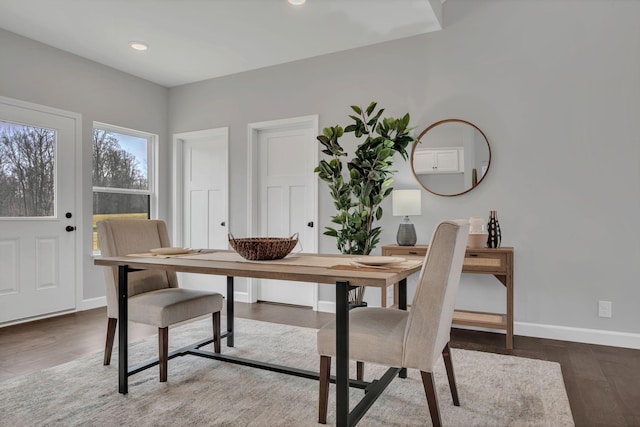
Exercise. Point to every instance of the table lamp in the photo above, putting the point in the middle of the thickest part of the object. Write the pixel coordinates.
(405, 203)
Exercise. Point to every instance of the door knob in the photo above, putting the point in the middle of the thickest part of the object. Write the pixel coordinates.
(70, 228)
(310, 224)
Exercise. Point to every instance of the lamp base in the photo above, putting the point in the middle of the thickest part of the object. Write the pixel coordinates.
(406, 235)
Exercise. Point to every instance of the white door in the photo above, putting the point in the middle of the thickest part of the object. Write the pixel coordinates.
(37, 195)
(286, 158)
(204, 200)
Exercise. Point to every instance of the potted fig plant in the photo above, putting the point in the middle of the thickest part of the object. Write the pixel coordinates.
(359, 190)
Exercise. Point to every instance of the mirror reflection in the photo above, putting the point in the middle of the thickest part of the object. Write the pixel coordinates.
(451, 157)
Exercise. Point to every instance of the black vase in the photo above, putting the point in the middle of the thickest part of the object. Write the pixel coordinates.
(493, 228)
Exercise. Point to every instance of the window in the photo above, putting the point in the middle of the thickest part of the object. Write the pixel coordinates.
(123, 184)
(27, 171)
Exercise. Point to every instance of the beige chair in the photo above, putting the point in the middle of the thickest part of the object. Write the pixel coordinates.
(413, 339)
(154, 295)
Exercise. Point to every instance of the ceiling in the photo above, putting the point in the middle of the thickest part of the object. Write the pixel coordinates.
(193, 40)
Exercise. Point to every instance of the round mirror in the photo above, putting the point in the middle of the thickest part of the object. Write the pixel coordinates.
(451, 157)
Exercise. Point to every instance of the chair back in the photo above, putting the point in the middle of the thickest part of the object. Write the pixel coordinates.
(120, 237)
(429, 324)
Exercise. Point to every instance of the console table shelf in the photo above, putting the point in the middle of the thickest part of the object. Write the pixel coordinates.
(497, 262)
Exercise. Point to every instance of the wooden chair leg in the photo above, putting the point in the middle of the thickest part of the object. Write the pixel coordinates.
(325, 373)
(448, 363)
(111, 333)
(359, 370)
(163, 347)
(216, 332)
(432, 397)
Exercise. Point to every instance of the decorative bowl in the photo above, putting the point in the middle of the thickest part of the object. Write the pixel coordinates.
(263, 248)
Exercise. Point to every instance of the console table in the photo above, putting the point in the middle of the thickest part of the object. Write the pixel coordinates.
(497, 262)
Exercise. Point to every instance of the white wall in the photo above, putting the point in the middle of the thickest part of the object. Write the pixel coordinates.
(555, 86)
(31, 71)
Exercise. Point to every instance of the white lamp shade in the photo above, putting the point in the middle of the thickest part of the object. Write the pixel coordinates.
(406, 202)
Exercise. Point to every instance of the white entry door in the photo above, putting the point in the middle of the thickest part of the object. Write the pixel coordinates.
(204, 200)
(37, 203)
(286, 199)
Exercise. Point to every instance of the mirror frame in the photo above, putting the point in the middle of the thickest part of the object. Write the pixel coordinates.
(419, 139)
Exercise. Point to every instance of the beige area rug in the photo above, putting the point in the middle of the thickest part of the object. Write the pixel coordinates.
(495, 390)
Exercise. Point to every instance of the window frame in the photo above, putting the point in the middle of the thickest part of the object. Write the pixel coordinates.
(152, 168)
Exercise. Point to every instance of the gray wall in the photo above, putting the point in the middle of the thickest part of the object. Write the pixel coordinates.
(555, 86)
(33, 72)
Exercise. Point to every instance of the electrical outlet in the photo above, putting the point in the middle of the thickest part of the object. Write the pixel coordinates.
(604, 308)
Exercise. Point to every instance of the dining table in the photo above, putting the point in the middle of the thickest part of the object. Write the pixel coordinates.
(344, 272)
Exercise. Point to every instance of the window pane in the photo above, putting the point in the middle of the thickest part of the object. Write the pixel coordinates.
(119, 161)
(118, 206)
(27, 170)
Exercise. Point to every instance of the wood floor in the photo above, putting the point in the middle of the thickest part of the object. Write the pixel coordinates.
(603, 383)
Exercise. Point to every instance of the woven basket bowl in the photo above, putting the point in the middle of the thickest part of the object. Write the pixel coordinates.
(263, 248)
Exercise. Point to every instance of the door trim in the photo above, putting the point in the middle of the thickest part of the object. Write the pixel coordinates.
(79, 214)
(178, 141)
(253, 131)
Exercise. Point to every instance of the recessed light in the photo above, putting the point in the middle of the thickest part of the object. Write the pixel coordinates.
(139, 46)
(296, 2)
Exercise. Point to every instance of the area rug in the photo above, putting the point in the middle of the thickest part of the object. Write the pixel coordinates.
(495, 390)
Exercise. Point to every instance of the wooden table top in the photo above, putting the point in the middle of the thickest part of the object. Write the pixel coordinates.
(297, 267)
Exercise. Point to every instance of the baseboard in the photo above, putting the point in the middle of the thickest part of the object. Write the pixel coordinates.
(583, 335)
(34, 318)
(241, 297)
(89, 304)
(327, 306)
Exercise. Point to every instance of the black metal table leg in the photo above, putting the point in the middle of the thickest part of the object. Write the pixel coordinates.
(230, 291)
(402, 294)
(123, 317)
(342, 354)
(402, 305)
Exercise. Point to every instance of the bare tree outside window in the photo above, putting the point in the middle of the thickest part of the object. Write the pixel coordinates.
(27, 171)
(114, 166)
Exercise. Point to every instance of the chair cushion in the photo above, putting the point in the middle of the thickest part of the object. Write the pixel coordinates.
(375, 335)
(165, 307)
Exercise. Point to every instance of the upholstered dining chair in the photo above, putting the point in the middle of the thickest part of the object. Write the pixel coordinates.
(408, 339)
(154, 296)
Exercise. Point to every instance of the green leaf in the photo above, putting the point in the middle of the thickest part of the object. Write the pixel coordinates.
(323, 140)
(371, 107)
(405, 121)
(331, 232)
(375, 119)
(379, 213)
(356, 119)
(385, 153)
(356, 109)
